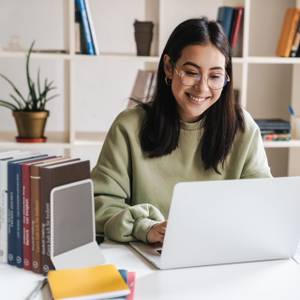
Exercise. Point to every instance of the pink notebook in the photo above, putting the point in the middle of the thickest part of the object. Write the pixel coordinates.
(131, 285)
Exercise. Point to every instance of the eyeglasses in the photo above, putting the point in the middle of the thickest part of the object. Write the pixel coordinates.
(214, 82)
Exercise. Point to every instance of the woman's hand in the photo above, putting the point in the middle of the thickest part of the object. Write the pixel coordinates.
(157, 233)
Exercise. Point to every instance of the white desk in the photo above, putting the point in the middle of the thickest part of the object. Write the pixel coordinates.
(276, 280)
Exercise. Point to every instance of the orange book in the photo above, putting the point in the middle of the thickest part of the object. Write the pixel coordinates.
(288, 32)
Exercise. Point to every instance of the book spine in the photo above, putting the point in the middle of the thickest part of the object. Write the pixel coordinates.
(92, 28)
(45, 227)
(237, 26)
(27, 253)
(85, 26)
(35, 220)
(19, 216)
(11, 230)
(225, 16)
(288, 32)
(296, 42)
(45, 189)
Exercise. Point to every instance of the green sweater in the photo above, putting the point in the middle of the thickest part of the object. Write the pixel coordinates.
(133, 192)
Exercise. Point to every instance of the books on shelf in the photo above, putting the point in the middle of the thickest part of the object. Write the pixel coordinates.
(232, 19)
(273, 124)
(276, 136)
(288, 36)
(85, 35)
(101, 282)
(144, 87)
(274, 129)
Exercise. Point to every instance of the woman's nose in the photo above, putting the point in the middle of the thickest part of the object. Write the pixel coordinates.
(202, 85)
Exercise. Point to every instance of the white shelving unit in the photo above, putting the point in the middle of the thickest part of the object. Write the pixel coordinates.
(94, 89)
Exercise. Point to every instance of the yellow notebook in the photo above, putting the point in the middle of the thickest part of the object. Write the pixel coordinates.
(98, 282)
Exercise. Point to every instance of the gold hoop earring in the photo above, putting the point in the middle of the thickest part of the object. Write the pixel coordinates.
(168, 80)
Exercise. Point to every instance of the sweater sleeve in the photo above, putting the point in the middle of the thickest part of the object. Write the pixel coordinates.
(116, 217)
(256, 164)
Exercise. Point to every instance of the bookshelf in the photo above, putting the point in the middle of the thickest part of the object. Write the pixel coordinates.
(94, 89)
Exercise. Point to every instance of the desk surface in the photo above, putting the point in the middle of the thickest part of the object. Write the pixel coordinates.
(276, 280)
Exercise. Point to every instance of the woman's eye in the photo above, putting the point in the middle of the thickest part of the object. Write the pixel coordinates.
(216, 76)
(191, 73)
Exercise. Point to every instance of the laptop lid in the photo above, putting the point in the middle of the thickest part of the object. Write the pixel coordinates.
(230, 221)
(73, 242)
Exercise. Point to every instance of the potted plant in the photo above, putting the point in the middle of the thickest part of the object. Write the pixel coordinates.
(30, 112)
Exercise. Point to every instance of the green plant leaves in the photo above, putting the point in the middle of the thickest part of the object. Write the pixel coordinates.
(37, 96)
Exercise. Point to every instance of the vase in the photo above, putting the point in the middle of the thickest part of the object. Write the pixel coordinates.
(143, 33)
(31, 125)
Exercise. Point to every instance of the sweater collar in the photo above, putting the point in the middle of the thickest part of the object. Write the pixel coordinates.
(191, 126)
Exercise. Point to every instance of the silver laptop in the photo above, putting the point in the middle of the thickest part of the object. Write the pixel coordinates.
(73, 243)
(229, 221)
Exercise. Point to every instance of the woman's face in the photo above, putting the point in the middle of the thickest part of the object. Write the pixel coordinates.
(195, 77)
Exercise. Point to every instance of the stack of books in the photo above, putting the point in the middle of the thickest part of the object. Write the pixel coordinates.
(274, 129)
(231, 19)
(85, 35)
(289, 41)
(26, 182)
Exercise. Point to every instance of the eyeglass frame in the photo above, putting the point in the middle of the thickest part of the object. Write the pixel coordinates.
(227, 79)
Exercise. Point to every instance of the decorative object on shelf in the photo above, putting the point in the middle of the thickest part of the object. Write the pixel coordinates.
(143, 33)
(30, 113)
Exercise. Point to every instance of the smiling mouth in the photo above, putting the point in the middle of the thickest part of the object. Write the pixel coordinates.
(198, 99)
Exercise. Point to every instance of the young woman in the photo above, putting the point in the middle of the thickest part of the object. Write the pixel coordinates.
(192, 130)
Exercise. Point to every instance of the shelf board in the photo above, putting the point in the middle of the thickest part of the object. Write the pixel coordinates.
(238, 60)
(282, 144)
(272, 60)
(40, 55)
(47, 145)
(125, 56)
(66, 56)
(55, 140)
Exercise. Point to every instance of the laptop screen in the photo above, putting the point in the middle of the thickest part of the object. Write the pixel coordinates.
(72, 216)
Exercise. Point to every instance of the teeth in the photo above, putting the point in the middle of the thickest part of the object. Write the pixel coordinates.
(197, 99)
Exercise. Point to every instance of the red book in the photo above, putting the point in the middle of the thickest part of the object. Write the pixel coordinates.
(237, 26)
(26, 192)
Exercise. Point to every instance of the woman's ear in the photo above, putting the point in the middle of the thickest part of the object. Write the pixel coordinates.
(168, 68)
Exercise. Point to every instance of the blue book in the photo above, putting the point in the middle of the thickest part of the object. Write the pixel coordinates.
(84, 21)
(15, 210)
(225, 18)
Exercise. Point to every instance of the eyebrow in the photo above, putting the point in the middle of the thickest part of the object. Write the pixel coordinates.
(199, 67)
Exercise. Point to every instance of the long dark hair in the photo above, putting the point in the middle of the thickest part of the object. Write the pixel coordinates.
(159, 134)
